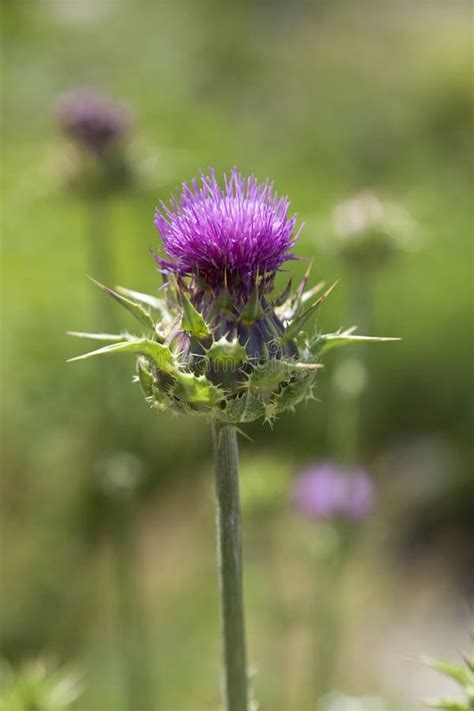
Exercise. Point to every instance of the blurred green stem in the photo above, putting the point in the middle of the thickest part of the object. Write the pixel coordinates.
(131, 616)
(327, 618)
(326, 636)
(350, 375)
(131, 619)
(360, 306)
(229, 555)
(101, 263)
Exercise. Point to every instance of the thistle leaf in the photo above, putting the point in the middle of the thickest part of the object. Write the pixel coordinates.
(253, 311)
(136, 309)
(160, 354)
(448, 704)
(192, 320)
(197, 390)
(280, 300)
(288, 308)
(469, 663)
(296, 391)
(327, 341)
(307, 295)
(302, 286)
(112, 337)
(244, 408)
(453, 671)
(145, 377)
(301, 366)
(146, 299)
(325, 295)
(266, 377)
(228, 353)
(296, 326)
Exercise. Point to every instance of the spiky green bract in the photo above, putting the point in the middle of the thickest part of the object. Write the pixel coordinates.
(231, 361)
(462, 675)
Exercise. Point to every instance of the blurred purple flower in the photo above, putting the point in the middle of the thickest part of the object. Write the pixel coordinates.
(227, 237)
(92, 119)
(325, 490)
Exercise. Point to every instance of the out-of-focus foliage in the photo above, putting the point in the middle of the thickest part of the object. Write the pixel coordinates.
(260, 495)
(367, 231)
(463, 676)
(336, 701)
(328, 99)
(38, 686)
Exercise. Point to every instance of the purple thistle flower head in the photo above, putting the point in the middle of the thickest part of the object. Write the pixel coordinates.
(93, 120)
(324, 490)
(230, 237)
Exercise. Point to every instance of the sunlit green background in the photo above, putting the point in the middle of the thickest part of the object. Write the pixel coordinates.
(327, 98)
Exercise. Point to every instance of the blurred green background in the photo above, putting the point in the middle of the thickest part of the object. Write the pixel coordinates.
(327, 98)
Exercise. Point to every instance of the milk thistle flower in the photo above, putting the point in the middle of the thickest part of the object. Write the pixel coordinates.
(339, 498)
(93, 120)
(97, 164)
(220, 344)
(324, 491)
(229, 238)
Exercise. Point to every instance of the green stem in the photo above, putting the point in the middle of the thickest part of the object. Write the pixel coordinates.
(229, 555)
(326, 639)
(131, 614)
(327, 620)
